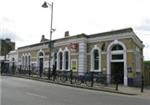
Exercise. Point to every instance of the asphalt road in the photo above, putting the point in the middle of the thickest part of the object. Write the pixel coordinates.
(17, 91)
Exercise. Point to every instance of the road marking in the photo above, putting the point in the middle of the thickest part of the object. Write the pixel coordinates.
(36, 95)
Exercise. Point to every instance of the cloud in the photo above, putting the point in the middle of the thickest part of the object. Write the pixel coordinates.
(144, 26)
(5, 33)
(6, 20)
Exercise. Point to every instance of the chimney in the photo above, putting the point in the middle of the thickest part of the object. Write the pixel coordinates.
(66, 33)
(8, 40)
(42, 39)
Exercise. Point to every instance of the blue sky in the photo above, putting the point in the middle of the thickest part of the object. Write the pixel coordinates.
(24, 21)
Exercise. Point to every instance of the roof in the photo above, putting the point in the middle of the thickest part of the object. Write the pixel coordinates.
(113, 32)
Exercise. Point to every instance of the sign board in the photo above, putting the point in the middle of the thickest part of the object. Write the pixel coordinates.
(74, 65)
(73, 47)
(129, 69)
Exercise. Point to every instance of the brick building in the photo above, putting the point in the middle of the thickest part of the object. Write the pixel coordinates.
(118, 51)
(6, 45)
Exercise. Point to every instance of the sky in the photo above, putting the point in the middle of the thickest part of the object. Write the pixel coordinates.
(25, 21)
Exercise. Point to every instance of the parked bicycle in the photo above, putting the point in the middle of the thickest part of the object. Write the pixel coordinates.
(62, 76)
(100, 79)
(83, 79)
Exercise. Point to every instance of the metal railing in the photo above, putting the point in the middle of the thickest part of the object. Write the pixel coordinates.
(88, 79)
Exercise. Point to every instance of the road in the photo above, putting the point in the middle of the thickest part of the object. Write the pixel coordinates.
(17, 91)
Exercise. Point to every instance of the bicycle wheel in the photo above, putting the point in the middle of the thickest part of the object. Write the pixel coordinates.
(88, 81)
(63, 78)
(57, 79)
(78, 81)
(73, 79)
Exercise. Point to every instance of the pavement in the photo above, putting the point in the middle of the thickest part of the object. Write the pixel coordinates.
(125, 90)
(20, 91)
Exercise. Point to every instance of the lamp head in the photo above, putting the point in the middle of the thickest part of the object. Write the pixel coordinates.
(44, 5)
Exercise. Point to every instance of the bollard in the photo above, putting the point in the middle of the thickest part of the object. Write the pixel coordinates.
(92, 79)
(117, 81)
(71, 73)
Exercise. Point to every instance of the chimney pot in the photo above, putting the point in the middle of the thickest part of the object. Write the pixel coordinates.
(66, 33)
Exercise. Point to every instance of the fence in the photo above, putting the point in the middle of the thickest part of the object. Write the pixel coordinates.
(89, 79)
(146, 76)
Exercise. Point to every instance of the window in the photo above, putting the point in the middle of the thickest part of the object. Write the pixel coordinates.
(60, 60)
(117, 52)
(66, 60)
(55, 59)
(28, 60)
(96, 59)
(117, 57)
(117, 47)
(25, 61)
(40, 54)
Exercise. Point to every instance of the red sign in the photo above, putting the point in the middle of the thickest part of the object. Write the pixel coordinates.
(73, 45)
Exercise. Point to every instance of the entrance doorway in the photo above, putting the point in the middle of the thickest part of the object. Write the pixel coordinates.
(41, 66)
(117, 72)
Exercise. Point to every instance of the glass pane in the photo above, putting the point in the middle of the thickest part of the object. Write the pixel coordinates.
(96, 64)
(117, 47)
(40, 54)
(66, 60)
(119, 57)
(96, 59)
(96, 55)
(60, 58)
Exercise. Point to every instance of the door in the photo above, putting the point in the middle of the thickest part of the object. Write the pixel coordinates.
(117, 72)
(41, 66)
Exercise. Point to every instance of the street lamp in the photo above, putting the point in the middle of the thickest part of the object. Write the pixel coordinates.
(46, 5)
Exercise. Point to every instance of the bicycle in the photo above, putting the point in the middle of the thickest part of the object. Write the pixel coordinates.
(100, 79)
(86, 79)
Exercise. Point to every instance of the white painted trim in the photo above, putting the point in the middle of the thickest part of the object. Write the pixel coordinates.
(92, 60)
(40, 51)
(58, 59)
(67, 50)
(75, 60)
(110, 37)
(124, 60)
(82, 58)
(74, 54)
(66, 42)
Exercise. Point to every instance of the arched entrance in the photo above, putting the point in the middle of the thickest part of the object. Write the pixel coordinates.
(116, 63)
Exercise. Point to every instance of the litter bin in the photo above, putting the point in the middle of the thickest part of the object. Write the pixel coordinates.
(131, 76)
(130, 82)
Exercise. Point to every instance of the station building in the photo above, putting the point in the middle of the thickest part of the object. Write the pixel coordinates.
(117, 51)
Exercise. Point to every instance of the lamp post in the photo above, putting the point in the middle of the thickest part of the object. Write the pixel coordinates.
(46, 5)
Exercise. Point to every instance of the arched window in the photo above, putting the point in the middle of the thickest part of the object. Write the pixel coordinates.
(26, 61)
(66, 60)
(40, 60)
(96, 59)
(29, 60)
(117, 52)
(117, 47)
(60, 57)
(40, 54)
